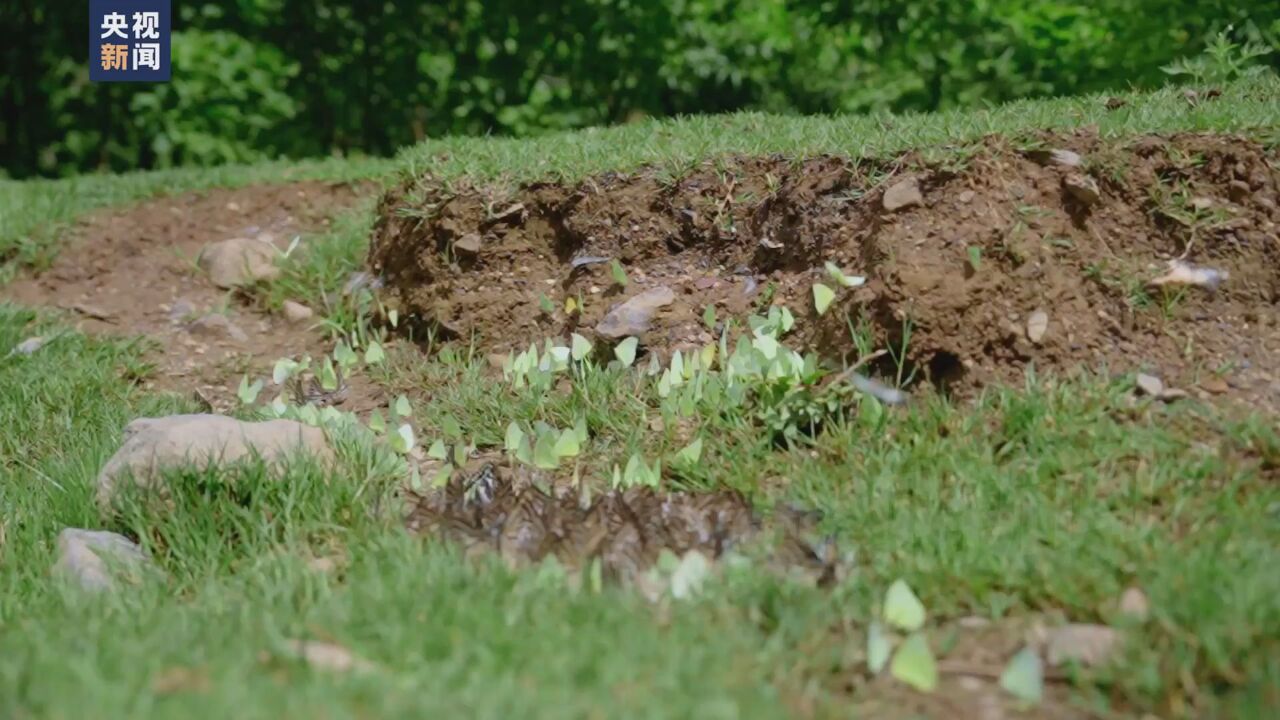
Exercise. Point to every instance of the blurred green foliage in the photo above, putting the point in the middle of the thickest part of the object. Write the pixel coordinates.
(255, 79)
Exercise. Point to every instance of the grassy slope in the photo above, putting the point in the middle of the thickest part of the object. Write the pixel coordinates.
(1048, 499)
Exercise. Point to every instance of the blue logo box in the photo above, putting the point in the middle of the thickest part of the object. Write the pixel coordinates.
(129, 40)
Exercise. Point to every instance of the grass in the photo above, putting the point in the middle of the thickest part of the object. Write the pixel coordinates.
(1044, 500)
(1050, 498)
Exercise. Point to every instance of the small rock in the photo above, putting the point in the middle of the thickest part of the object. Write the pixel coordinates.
(1239, 191)
(1064, 158)
(634, 316)
(181, 310)
(1134, 603)
(497, 361)
(585, 260)
(903, 194)
(1150, 385)
(1088, 645)
(88, 557)
(153, 445)
(1037, 324)
(1083, 188)
(217, 326)
(296, 312)
(239, 261)
(967, 196)
(1215, 385)
(468, 244)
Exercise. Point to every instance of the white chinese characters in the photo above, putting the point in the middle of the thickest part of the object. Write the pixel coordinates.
(114, 24)
(146, 55)
(146, 25)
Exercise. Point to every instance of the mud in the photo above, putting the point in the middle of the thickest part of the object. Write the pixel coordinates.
(495, 507)
(999, 234)
(132, 272)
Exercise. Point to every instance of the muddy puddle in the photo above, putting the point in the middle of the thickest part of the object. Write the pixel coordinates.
(494, 507)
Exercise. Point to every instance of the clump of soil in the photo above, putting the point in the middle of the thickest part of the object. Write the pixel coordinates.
(497, 507)
(982, 267)
(132, 271)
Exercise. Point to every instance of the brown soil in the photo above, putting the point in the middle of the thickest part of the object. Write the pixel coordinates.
(132, 272)
(742, 232)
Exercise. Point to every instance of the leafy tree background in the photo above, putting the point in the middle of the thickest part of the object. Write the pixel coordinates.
(257, 79)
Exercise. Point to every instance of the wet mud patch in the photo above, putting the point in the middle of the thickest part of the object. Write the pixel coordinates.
(494, 507)
(132, 271)
(1001, 258)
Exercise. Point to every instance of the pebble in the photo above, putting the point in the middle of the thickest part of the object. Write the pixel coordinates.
(296, 312)
(902, 195)
(217, 326)
(239, 261)
(1150, 385)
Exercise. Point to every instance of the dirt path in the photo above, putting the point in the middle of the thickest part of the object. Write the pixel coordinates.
(132, 271)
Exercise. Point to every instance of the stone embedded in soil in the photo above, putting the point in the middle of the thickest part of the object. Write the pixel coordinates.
(1083, 188)
(1150, 385)
(1215, 385)
(468, 244)
(217, 326)
(902, 195)
(1087, 645)
(89, 557)
(296, 312)
(1037, 325)
(239, 261)
(634, 316)
(154, 445)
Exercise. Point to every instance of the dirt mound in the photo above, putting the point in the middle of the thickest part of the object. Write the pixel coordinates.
(496, 507)
(133, 271)
(999, 260)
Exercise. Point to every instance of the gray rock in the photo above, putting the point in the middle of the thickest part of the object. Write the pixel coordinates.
(217, 327)
(90, 558)
(154, 445)
(239, 261)
(1150, 385)
(1087, 645)
(296, 312)
(634, 316)
(1083, 188)
(902, 195)
(468, 244)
